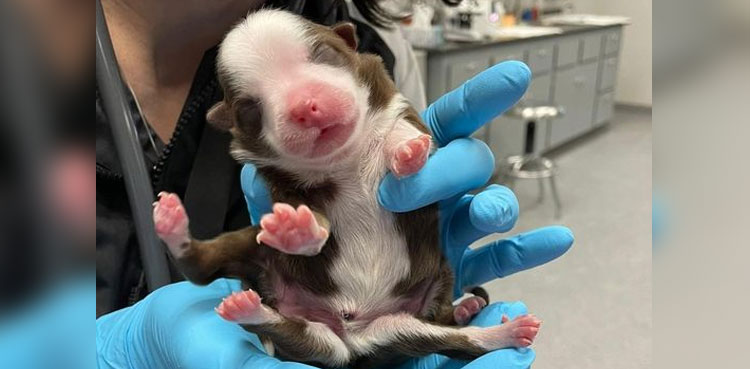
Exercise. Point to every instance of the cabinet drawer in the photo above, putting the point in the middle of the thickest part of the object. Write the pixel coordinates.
(567, 52)
(507, 53)
(539, 89)
(604, 107)
(540, 58)
(460, 71)
(592, 45)
(609, 74)
(611, 42)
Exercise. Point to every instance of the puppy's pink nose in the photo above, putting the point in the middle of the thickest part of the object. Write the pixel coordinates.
(307, 113)
(318, 105)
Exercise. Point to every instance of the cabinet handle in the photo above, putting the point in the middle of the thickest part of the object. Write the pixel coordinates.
(578, 81)
(471, 66)
(542, 52)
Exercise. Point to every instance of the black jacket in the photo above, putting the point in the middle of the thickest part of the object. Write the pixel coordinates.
(120, 280)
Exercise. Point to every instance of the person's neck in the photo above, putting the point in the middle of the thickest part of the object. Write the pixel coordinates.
(159, 45)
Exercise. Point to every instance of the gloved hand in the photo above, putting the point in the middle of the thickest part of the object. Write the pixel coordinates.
(176, 327)
(460, 165)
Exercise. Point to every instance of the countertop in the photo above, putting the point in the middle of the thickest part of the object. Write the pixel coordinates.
(449, 46)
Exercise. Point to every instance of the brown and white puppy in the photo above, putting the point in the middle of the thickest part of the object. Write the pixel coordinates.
(343, 281)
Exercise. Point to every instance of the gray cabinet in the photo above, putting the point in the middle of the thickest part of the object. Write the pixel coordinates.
(609, 74)
(567, 52)
(604, 105)
(575, 90)
(540, 58)
(575, 70)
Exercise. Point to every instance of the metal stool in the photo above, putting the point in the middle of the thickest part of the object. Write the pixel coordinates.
(531, 165)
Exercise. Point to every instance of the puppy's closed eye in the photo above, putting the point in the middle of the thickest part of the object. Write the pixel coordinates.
(323, 53)
(248, 113)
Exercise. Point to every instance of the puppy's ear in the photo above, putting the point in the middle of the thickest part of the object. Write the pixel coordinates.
(348, 33)
(220, 116)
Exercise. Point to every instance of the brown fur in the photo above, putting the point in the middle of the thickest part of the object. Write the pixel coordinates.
(238, 255)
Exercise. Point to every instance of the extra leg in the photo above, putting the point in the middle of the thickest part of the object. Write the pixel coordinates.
(403, 334)
(294, 339)
(232, 254)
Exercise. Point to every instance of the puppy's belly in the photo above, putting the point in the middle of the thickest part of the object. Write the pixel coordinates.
(296, 302)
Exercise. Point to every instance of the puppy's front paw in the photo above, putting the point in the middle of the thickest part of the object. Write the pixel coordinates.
(410, 156)
(292, 231)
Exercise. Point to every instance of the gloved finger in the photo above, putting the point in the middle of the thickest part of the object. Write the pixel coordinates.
(256, 193)
(505, 257)
(462, 165)
(488, 94)
(509, 358)
(495, 209)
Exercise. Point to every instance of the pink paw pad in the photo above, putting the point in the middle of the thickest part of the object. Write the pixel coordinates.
(410, 156)
(467, 309)
(523, 329)
(171, 222)
(241, 307)
(292, 231)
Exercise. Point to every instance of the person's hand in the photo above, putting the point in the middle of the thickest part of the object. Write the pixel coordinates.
(461, 164)
(176, 327)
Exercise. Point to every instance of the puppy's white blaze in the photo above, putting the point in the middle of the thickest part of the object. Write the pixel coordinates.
(374, 256)
(266, 39)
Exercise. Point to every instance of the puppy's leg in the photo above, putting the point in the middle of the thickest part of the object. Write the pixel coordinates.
(293, 231)
(407, 146)
(295, 339)
(403, 334)
(232, 254)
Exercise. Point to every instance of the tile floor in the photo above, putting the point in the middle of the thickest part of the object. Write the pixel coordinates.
(596, 299)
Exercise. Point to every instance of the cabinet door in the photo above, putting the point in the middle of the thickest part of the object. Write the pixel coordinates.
(612, 42)
(609, 74)
(539, 90)
(604, 108)
(567, 51)
(575, 91)
(592, 45)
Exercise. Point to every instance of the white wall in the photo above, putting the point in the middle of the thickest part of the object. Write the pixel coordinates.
(634, 78)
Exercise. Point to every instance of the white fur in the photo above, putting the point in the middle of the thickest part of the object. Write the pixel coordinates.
(319, 332)
(373, 255)
(384, 330)
(266, 57)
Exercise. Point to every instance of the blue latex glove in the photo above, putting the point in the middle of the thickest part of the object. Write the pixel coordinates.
(460, 165)
(176, 327)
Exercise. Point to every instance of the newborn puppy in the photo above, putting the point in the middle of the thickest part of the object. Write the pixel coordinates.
(343, 281)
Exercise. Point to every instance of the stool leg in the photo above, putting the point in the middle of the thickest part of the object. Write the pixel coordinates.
(541, 190)
(555, 197)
